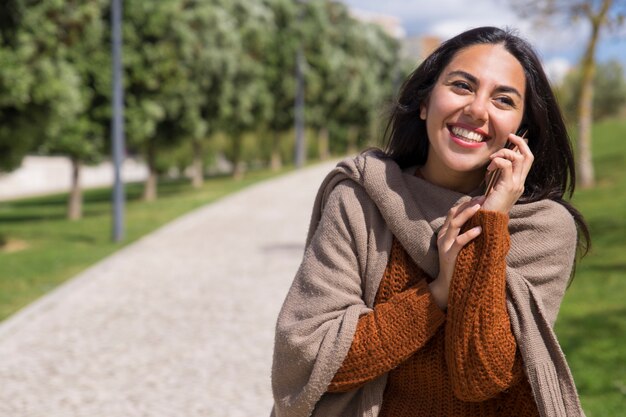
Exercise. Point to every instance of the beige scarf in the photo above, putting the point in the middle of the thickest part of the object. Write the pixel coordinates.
(360, 205)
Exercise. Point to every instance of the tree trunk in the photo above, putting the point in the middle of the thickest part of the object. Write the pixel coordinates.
(238, 166)
(198, 169)
(150, 187)
(586, 177)
(276, 162)
(585, 161)
(323, 143)
(75, 202)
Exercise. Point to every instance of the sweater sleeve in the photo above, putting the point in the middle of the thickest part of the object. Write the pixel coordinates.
(480, 349)
(405, 316)
(388, 335)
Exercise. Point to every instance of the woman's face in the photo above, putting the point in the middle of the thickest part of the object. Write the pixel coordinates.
(476, 102)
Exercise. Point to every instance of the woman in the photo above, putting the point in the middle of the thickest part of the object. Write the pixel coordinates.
(418, 295)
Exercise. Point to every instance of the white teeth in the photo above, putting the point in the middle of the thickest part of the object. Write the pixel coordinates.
(467, 134)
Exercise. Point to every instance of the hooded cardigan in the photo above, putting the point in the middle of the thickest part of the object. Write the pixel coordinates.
(360, 206)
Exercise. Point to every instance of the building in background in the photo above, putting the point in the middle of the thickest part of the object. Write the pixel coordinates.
(414, 48)
(390, 24)
(417, 48)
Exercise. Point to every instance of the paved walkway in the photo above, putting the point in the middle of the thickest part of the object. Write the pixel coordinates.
(180, 324)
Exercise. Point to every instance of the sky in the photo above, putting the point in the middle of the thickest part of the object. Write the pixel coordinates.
(560, 48)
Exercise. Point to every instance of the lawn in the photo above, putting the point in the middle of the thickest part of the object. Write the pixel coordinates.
(591, 324)
(45, 249)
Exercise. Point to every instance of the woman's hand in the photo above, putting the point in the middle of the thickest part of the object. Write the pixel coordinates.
(515, 165)
(450, 241)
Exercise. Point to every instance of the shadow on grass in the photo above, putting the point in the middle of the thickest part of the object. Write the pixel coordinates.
(30, 218)
(594, 344)
(96, 202)
(578, 331)
(607, 231)
(617, 267)
(79, 238)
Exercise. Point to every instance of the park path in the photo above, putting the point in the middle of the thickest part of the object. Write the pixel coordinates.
(179, 324)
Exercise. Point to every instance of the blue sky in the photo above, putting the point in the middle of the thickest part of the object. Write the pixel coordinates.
(558, 46)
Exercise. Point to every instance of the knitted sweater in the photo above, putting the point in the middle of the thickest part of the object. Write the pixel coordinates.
(360, 206)
(457, 369)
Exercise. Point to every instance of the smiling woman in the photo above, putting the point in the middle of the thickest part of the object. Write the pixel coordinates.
(475, 104)
(420, 296)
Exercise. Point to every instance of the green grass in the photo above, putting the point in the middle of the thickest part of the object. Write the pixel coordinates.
(592, 323)
(57, 249)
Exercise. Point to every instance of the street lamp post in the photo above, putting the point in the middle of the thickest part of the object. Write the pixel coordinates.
(300, 148)
(117, 121)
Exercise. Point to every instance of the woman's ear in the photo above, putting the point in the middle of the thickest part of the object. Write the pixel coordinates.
(423, 111)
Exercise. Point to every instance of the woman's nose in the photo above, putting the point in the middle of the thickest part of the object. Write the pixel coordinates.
(477, 109)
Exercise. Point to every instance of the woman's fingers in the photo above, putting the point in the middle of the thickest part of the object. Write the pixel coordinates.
(457, 217)
(450, 241)
(525, 153)
(523, 156)
(514, 164)
(468, 236)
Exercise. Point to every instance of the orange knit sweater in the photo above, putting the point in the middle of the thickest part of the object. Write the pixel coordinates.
(463, 362)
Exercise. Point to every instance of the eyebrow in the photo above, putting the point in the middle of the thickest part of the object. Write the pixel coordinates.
(469, 77)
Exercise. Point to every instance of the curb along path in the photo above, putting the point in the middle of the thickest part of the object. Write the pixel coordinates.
(180, 323)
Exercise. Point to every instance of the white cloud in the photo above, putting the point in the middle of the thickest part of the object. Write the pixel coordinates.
(557, 69)
(446, 18)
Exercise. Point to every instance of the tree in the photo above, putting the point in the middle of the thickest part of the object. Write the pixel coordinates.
(38, 87)
(157, 81)
(15, 87)
(279, 70)
(609, 86)
(349, 75)
(49, 96)
(211, 58)
(248, 107)
(81, 29)
(371, 69)
(601, 15)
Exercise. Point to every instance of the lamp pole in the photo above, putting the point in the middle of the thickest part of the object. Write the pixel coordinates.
(300, 148)
(117, 121)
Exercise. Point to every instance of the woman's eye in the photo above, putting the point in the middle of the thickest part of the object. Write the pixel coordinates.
(462, 85)
(506, 101)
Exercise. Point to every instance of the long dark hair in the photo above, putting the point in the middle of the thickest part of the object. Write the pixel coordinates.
(552, 175)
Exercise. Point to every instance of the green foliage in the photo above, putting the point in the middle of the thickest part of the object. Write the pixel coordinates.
(609, 91)
(279, 58)
(350, 73)
(54, 80)
(155, 78)
(191, 69)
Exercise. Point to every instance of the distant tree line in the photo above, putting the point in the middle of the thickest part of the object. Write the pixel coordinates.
(201, 78)
(204, 78)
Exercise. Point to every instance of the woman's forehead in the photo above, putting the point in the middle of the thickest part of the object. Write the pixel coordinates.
(489, 64)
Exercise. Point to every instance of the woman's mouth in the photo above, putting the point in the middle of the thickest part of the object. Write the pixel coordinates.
(467, 135)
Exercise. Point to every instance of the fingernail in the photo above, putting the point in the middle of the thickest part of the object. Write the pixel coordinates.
(478, 229)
